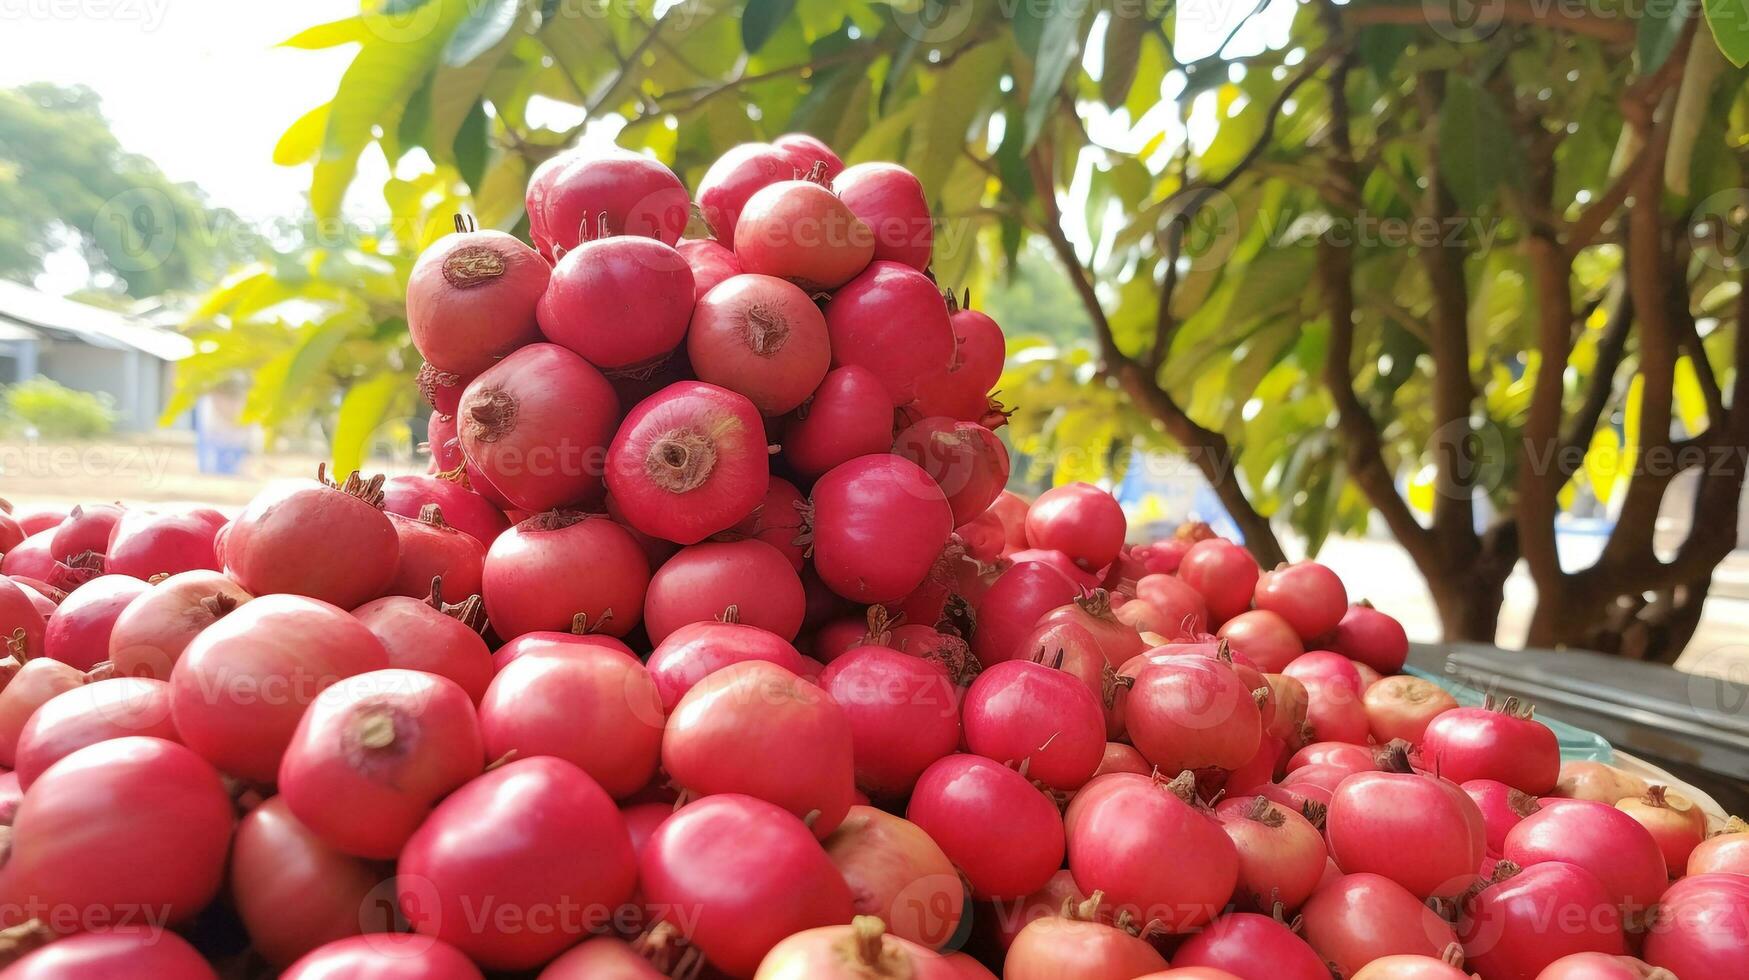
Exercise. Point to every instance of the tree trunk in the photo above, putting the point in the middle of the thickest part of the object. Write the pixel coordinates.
(1617, 618)
(1469, 605)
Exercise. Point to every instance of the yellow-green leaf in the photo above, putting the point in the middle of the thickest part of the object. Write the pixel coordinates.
(362, 413)
(302, 139)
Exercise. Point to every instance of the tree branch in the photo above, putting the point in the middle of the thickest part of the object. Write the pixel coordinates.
(1360, 432)
(1209, 450)
(1453, 388)
(1611, 347)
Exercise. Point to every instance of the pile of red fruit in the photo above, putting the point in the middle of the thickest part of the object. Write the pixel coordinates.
(714, 647)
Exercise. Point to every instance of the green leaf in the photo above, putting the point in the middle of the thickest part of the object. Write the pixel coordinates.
(403, 46)
(489, 23)
(1476, 149)
(1380, 45)
(302, 139)
(1729, 20)
(1124, 34)
(761, 19)
(1052, 37)
(1659, 29)
(470, 146)
(348, 30)
(948, 111)
(362, 412)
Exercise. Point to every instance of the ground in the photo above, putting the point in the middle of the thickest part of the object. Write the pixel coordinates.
(162, 468)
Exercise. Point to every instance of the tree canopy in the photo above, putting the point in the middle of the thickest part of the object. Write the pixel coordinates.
(66, 181)
(1458, 272)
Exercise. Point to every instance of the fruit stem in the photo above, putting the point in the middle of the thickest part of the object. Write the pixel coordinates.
(432, 514)
(870, 931)
(581, 626)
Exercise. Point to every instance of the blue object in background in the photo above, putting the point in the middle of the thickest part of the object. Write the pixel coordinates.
(220, 445)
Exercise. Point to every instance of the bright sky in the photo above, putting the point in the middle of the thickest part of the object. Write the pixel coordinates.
(197, 85)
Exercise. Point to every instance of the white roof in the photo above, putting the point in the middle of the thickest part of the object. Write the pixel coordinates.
(22, 306)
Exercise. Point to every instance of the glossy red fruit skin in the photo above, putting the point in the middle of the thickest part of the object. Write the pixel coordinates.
(850, 414)
(879, 522)
(1358, 918)
(390, 743)
(430, 549)
(736, 176)
(1251, 946)
(890, 201)
(417, 636)
(1477, 743)
(1599, 838)
(535, 425)
(309, 538)
(777, 521)
(1421, 831)
(240, 688)
(962, 389)
(102, 954)
(762, 337)
(12, 534)
(552, 568)
(1000, 830)
(805, 150)
(755, 728)
(293, 891)
(1699, 931)
(1179, 605)
(749, 581)
(1192, 714)
(471, 300)
(144, 544)
(891, 320)
(568, 194)
(688, 462)
(96, 712)
(895, 871)
(73, 848)
(1224, 573)
(1008, 612)
(1167, 863)
(78, 632)
(1308, 595)
(552, 641)
(692, 653)
(86, 528)
(1080, 520)
(1024, 713)
(1053, 946)
(535, 835)
(27, 691)
(618, 302)
(154, 629)
(800, 231)
(745, 873)
(711, 263)
(1371, 637)
(594, 707)
(965, 459)
(19, 612)
(384, 956)
(1516, 927)
(462, 508)
(443, 441)
(1598, 966)
(32, 557)
(1282, 857)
